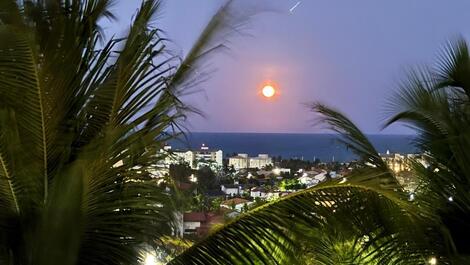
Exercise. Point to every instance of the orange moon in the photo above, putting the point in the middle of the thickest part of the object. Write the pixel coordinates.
(268, 91)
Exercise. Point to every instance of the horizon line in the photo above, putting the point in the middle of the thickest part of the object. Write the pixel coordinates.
(245, 132)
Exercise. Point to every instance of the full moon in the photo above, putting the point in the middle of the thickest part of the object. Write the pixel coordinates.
(268, 91)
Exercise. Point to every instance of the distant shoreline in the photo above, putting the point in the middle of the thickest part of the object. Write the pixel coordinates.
(300, 133)
(323, 146)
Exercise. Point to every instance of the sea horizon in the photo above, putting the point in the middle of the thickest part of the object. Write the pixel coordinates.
(306, 146)
(308, 133)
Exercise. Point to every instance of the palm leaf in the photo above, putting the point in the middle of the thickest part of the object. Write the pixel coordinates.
(374, 170)
(21, 89)
(435, 103)
(453, 67)
(274, 234)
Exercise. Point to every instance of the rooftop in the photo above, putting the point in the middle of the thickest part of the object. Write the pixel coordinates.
(194, 217)
(234, 201)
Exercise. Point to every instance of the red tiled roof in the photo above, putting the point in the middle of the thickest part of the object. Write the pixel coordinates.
(194, 217)
(234, 201)
(184, 186)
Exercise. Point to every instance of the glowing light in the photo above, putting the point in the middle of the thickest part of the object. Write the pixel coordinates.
(193, 178)
(268, 91)
(150, 259)
(432, 261)
(451, 199)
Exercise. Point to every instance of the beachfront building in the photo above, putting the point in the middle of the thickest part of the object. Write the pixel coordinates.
(401, 166)
(242, 161)
(195, 158)
(208, 157)
(261, 161)
(401, 162)
(239, 161)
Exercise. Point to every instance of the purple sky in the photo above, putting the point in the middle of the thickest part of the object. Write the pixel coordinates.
(348, 54)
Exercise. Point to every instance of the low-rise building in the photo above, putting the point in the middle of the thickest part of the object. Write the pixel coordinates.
(199, 223)
(321, 177)
(258, 192)
(236, 204)
(308, 180)
(278, 171)
(231, 189)
(192, 221)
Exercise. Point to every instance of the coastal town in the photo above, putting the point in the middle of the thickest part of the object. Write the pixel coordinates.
(213, 188)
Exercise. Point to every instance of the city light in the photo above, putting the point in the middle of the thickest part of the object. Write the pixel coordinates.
(432, 261)
(193, 178)
(150, 259)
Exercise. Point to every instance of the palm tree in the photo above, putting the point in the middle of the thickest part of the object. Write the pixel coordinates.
(81, 121)
(367, 217)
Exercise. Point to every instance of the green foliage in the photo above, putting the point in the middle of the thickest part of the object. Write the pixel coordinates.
(291, 184)
(180, 172)
(275, 232)
(296, 164)
(206, 179)
(215, 204)
(81, 120)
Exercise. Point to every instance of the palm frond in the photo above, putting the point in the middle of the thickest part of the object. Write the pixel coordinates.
(434, 102)
(350, 135)
(276, 233)
(453, 67)
(23, 91)
(374, 170)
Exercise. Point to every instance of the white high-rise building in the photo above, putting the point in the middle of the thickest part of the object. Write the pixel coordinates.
(260, 162)
(239, 162)
(243, 161)
(195, 158)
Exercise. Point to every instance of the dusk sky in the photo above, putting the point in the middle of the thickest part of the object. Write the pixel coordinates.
(348, 54)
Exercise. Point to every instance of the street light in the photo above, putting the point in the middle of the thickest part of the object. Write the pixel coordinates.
(150, 259)
(193, 178)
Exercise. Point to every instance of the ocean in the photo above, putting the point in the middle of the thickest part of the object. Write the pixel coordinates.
(302, 146)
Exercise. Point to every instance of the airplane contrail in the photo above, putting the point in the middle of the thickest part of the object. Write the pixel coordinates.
(291, 10)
